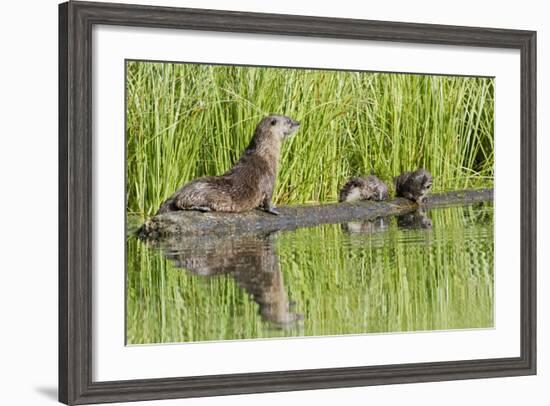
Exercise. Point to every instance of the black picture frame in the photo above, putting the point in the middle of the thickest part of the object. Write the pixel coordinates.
(76, 20)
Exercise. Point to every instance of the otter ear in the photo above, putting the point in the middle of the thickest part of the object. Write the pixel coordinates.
(273, 121)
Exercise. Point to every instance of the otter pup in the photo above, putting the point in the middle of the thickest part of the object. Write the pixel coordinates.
(413, 185)
(249, 184)
(369, 188)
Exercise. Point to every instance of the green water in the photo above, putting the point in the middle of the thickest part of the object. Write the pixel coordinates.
(422, 271)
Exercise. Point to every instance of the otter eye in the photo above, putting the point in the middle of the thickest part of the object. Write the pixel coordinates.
(274, 121)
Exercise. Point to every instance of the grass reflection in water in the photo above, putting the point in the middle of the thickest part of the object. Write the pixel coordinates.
(420, 271)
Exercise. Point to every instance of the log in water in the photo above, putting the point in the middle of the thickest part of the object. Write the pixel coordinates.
(291, 217)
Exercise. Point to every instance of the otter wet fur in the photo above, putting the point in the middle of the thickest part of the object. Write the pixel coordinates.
(369, 188)
(246, 186)
(413, 185)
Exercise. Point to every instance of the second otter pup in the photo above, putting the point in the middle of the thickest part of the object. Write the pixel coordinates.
(249, 184)
(369, 188)
(413, 185)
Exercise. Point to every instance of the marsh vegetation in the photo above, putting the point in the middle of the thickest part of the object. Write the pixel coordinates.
(185, 121)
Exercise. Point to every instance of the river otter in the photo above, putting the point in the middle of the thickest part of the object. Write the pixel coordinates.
(249, 184)
(369, 188)
(413, 185)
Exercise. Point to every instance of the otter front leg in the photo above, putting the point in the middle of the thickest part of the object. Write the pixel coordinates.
(268, 207)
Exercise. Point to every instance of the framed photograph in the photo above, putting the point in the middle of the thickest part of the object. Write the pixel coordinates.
(260, 202)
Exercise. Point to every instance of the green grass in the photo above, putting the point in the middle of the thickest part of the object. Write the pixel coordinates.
(392, 281)
(186, 121)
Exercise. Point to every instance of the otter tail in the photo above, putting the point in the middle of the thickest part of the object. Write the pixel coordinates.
(144, 231)
(166, 207)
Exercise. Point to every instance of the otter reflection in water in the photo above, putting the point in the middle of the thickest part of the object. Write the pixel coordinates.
(414, 220)
(417, 219)
(366, 226)
(250, 260)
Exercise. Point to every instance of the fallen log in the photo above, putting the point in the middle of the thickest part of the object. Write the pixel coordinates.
(189, 223)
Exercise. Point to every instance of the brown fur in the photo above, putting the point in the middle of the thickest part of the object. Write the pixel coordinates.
(369, 188)
(249, 184)
(413, 185)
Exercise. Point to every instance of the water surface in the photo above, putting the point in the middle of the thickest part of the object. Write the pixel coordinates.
(421, 271)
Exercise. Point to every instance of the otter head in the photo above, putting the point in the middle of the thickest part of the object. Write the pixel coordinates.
(270, 133)
(281, 126)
